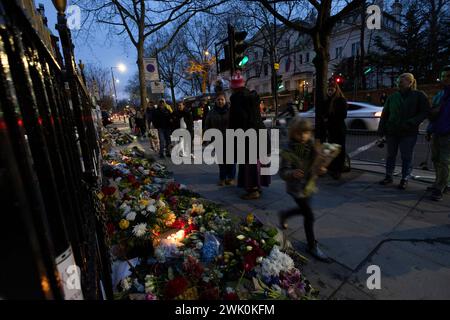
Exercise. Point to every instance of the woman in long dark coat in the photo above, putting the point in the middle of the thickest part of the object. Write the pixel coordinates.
(245, 114)
(335, 115)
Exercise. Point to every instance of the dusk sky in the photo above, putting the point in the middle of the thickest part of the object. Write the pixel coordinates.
(102, 51)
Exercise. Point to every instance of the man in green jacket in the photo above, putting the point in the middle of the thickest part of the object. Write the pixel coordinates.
(402, 115)
(439, 129)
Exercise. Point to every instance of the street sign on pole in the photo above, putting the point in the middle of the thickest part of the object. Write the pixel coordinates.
(157, 87)
(151, 69)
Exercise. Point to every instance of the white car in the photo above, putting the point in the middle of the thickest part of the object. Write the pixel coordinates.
(360, 116)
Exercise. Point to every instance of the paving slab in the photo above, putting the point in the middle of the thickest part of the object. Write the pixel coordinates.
(408, 271)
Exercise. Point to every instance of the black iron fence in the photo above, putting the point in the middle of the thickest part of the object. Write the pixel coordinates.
(49, 170)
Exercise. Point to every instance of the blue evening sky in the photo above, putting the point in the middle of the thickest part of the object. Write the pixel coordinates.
(103, 49)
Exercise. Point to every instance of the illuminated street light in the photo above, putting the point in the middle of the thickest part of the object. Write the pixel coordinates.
(122, 68)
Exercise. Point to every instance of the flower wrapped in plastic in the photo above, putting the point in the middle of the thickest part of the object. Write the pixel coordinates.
(325, 154)
(211, 248)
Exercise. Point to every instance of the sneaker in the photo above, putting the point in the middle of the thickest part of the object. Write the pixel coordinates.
(221, 183)
(386, 181)
(436, 195)
(317, 253)
(230, 182)
(251, 195)
(403, 184)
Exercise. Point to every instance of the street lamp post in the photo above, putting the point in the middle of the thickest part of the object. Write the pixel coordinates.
(114, 86)
(121, 68)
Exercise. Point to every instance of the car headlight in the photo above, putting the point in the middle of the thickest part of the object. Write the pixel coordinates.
(377, 114)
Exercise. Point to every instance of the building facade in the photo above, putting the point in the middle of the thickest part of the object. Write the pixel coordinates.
(295, 53)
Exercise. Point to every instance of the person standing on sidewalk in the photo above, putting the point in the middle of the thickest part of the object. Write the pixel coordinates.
(140, 123)
(402, 115)
(218, 118)
(439, 129)
(245, 115)
(185, 120)
(336, 130)
(163, 121)
(296, 163)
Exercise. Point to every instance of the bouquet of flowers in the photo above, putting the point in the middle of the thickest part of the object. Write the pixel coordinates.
(325, 154)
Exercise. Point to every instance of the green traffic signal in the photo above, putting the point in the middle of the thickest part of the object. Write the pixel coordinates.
(368, 70)
(243, 62)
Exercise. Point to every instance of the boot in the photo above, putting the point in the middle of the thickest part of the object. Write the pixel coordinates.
(317, 253)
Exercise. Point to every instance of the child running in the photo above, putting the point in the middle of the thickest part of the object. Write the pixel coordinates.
(296, 162)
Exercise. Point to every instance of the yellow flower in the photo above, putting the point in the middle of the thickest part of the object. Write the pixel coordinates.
(171, 217)
(144, 202)
(124, 224)
(250, 218)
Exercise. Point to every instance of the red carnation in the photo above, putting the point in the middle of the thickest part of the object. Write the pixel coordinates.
(108, 191)
(176, 287)
(210, 293)
(178, 224)
(251, 257)
(110, 228)
(131, 178)
(230, 296)
(193, 268)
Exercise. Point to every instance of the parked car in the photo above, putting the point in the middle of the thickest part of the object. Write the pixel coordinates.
(360, 116)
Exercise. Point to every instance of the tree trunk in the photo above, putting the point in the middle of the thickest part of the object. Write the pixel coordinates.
(140, 60)
(142, 84)
(321, 48)
(172, 92)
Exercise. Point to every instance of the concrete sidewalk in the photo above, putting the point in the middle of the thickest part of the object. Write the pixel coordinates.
(358, 224)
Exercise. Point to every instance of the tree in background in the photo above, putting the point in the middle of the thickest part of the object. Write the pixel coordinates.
(137, 20)
(409, 52)
(320, 32)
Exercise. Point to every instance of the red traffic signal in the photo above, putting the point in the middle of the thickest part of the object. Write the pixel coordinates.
(339, 79)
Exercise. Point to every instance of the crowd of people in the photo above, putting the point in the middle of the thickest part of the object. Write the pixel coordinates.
(403, 113)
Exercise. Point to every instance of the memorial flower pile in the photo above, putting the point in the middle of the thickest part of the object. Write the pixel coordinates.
(187, 247)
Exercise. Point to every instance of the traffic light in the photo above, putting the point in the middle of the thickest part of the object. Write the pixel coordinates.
(339, 79)
(368, 70)
(279, 82)
(225, 64)
(238, 48)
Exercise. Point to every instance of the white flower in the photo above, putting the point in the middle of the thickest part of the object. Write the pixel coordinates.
(160, 204)
(151, 208)
(150, 283)
(259, 259)
(152, 201)
(131, 216)
(229, 290)
(202, 229)
(126, 283)
(276, 262)
(199, 245)
(206, 279)
(125, 207)
(140, 229)
(241, 237)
